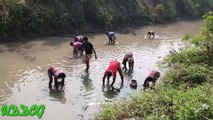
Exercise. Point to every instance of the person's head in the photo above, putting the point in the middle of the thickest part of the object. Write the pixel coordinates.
(107, 33)
(85, 39)
(62, 75)
(158, 75)
(109, 73)
(71, 43)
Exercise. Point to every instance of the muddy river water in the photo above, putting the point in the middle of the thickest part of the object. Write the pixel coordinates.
(24, 80)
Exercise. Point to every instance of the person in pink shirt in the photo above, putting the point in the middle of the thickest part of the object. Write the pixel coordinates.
(112, 69)
(55, 73)
(77, 47)
(128, 58)
(152, 77)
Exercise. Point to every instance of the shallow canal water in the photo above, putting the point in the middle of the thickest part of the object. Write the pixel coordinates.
(24, 80)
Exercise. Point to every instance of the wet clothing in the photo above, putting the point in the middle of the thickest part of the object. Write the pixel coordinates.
(128, 57)
(88, 47)
(154, 74)
(113, 66)
(111, 35)
(77, 45)
(152, 77)
(53, 71)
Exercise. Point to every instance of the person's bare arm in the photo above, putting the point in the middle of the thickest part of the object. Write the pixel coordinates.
(132, 66)
(104, 79)
(114, 77)
(94, 53)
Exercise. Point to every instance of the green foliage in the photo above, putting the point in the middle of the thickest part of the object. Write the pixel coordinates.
(164, 103)
(23, 18)
(186, 89)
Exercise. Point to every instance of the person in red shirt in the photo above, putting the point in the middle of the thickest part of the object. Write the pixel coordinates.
(77, 47)
(152, 77)
(55, 73)
(128, 58)
(112, 69)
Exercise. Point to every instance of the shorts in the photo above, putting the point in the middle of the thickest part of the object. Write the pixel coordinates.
(86, 58)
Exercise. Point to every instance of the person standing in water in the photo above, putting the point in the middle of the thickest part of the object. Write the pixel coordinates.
(88, 48)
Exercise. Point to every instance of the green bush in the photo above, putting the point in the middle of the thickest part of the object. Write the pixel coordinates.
(23, 18)
(185, 92)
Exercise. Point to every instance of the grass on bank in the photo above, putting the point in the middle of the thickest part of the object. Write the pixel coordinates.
(186, 91)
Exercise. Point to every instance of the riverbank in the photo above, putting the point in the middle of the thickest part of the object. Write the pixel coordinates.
(185, 92)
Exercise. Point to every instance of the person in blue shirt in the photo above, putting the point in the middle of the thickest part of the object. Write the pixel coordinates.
(111, 36)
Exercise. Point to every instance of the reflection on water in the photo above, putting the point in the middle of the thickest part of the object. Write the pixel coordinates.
(24, 80)
(87, 82)
(57, 96)
(111, 92)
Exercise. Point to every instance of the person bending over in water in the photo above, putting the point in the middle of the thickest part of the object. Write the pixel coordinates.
(151, 34)
(153, 76)
(112, 69)
(55, 73)
(88, 48)
(77, 47)
(128, 57)
(111, 36)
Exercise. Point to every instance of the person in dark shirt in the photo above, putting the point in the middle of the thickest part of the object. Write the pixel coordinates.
(88, 49)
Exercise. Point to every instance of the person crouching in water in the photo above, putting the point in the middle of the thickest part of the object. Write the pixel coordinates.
(55, 73)
(153, 76)
(112, 69)
(151, 34)
(88, 48)
(111, 37)
(128, 58)
(77, 47)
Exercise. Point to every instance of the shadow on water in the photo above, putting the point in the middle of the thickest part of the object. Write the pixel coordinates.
(57, 96)
(87, 82)
(111, 92)
(128, 73)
